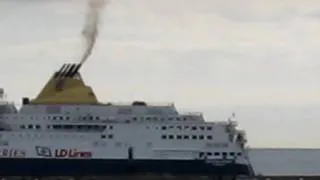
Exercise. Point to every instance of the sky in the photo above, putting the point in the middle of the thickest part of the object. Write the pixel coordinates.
(257, 58)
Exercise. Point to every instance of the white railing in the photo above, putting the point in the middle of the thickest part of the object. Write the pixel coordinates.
(3, 102)
(217, 122)
(147, 103)
(190, 114)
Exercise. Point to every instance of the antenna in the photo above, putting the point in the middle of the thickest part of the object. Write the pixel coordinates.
(2, 93)
(233, 117)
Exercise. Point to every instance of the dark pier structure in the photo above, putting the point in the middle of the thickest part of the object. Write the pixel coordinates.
(156, 177)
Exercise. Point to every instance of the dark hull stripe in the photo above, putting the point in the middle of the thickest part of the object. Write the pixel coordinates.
(95, 167)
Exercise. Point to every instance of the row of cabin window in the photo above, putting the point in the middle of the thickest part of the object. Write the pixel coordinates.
(109, 136)
(95, 127)
(201, 137)
(222, 153)
(81, 127)
(38, 117)
(187, 127)
(102, 127)
(160, 118)
(56, 117)
(141, 118)
(68, 118)
(98, 118)
(46, 136)
(133, 118)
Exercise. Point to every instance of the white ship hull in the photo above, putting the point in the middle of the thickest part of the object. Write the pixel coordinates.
(53, 154)
(66, 131)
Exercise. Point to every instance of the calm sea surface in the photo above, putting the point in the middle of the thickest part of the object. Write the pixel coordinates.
(286, 161)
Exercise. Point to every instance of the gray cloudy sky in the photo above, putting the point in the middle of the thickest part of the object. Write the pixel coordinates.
(257, 57)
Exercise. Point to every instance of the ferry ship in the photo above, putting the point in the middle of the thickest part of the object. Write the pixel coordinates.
(66, 131)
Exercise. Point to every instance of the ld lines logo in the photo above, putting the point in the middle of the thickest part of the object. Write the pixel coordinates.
(68, 153)
(43, 151)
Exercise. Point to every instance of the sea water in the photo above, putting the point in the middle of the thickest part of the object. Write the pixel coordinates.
(285, 161)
